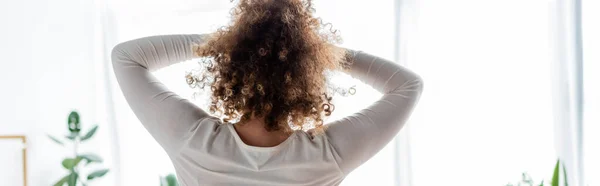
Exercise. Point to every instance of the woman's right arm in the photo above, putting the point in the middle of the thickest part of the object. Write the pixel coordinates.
(359, 137)
(168, 117)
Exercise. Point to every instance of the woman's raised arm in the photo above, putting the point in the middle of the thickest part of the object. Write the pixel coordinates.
(166, 116)
(358, 137)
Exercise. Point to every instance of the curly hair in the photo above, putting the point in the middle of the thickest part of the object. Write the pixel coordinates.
(270, 63)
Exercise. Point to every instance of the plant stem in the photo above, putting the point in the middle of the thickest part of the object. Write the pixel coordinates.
(80, 180)
(75, 154)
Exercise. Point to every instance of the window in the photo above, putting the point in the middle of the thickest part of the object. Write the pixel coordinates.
(486, 112)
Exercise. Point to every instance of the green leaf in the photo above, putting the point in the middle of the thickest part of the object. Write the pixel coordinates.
(73, 179)
(73, 118)
(90, 133)
(542, 184)
(69, 163)
(565, 173)
(97, 174)
(72, 135)
(73, 122)
(91, 158)
(171, 180)
(55, 140)
(62, 181)
(555, 176)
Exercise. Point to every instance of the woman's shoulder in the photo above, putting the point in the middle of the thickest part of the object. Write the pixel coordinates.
(312, 138)
(208, 127)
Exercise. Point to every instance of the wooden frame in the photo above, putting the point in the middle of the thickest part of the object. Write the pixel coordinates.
(24, 140)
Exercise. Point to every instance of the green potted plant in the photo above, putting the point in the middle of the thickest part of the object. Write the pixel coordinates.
(526, 180)
(73, 164)
(169, 180)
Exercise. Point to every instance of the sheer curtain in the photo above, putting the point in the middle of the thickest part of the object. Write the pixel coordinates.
(568, 83)
(504, 91)
(591, 64)
(486, 113)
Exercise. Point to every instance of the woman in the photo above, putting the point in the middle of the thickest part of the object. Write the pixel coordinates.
(267, 79)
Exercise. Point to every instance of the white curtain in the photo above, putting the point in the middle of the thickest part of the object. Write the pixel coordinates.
(503, 91)
(568, 87)
(487, 114)
(591, 87)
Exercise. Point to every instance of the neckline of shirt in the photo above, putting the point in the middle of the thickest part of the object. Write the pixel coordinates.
(256, 148)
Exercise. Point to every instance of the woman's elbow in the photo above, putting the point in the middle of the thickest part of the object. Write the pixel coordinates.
(117, 53)
(418, 83)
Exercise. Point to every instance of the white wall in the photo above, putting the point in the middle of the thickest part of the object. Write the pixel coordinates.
(48, 60)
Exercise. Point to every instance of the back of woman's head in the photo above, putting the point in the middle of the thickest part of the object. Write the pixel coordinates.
(270, 62)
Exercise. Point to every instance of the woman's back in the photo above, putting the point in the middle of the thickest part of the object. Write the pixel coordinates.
(215, 155)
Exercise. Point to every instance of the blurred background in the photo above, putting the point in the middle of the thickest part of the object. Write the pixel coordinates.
(511, 87)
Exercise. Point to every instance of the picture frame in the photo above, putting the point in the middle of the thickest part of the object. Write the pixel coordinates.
(23, 140)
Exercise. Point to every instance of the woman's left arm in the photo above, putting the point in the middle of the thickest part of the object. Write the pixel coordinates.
(168, 117)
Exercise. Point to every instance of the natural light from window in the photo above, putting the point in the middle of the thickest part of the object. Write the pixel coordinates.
(486, 112)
